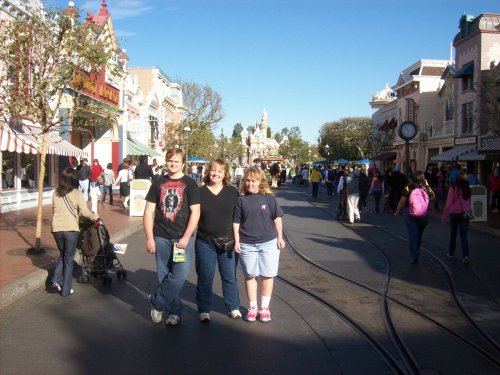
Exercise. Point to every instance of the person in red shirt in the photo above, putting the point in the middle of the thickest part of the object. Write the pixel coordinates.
(96, 173)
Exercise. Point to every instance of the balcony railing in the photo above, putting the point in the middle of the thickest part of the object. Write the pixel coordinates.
(444, 131)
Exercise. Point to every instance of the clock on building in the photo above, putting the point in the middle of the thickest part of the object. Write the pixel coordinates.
(407, 130)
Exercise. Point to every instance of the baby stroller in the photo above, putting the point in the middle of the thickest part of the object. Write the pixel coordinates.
(97, 253)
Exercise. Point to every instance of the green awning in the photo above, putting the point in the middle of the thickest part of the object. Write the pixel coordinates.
(137, 148)
(467, 69)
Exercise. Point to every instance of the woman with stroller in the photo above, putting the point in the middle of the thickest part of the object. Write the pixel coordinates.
(215, 241)
(68, 205)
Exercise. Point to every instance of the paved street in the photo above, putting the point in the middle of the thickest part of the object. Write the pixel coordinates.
(103, 329)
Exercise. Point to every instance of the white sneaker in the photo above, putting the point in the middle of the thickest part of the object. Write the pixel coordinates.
(234, 314)
(204, 317)
(172, 320)
(70, 293)
(156, 315)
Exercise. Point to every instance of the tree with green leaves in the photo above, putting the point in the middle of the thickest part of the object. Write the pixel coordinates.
(347, 138)
(295, 148)
(39, 59)
(237, 129)
(490, 100)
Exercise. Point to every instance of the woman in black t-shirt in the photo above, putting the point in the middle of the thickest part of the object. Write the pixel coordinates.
(215, 241)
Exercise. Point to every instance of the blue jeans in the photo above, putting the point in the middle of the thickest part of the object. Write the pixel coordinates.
(458, 224)
(107, 188)
(171, 276)
(416, 226)
(376, 195)
(206, 257)
(66, 243)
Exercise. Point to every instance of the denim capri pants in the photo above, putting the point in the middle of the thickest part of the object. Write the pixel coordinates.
(260, 259)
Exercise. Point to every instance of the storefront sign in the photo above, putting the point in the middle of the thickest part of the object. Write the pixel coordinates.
(96, 88)
(466, 141)
(490, 143)
(135, 125)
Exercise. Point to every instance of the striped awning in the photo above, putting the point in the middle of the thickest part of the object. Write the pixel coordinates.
(454, 154)
(25, 139)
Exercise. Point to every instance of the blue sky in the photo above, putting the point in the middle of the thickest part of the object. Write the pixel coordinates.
(306, 62)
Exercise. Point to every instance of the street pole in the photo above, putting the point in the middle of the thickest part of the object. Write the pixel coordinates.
(186, 130)
(407, 167)
(186, 163)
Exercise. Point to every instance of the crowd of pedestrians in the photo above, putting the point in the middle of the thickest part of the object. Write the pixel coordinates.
(244, 224)
(445, 189)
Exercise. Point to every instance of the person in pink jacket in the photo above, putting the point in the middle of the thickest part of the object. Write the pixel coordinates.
(458, 201)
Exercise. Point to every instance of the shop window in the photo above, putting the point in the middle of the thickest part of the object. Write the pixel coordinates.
(8, 169)
(28, 170)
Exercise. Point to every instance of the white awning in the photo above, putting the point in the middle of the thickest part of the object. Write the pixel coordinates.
(455, 153)
(23, 138)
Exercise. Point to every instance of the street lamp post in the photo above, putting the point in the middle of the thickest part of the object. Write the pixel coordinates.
(186, 130)
(327, 146)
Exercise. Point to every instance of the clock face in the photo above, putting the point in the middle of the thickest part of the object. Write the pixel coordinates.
(407, 130)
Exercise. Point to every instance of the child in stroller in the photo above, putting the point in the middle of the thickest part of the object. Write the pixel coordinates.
(97, 251)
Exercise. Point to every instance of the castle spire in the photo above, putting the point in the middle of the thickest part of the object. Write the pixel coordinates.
(264, 120)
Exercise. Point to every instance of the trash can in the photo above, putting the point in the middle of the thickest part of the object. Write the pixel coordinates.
(479, 202)
(138, 190)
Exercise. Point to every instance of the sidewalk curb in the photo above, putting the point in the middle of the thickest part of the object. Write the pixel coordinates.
(28, 283)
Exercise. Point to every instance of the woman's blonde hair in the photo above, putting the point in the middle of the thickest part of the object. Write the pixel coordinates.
(226, 181)
(257, 174)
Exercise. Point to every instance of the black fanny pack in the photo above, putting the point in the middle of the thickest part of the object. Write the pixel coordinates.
(222, 244)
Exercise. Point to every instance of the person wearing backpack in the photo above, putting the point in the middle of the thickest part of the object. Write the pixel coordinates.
(415, 201)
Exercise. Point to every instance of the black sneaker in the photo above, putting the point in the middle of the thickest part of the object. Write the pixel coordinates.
(55, 287)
